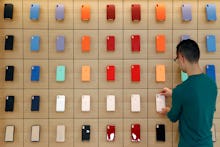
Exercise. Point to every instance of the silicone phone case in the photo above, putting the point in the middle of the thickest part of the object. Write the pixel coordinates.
(8, 11)
(35, 43)
(135, 43)
(9, 73)
(85, 12)
(85, 132)
(110, 12)
(35, 133)
(110, 73)
(160, 43)
(186, 12)
(160, 12)
(85, 103)
(110, 103)
(211, 43)
(9, 133)
(9, 104)
(211, 12)
(135, 133)
(135, 73)
(110, 41)
(60, 133)
(85, 73)
(35, 103)
(60, 43)
(110, 132)
(60, 73)
(9, 42)
(60, 103)
(136, 12)
(35, 73)
(59, 12)
(160, 132)
(34, 11)
(135, 103)
(85, 43)
(160, 73)
(210, 71)
(160, 102)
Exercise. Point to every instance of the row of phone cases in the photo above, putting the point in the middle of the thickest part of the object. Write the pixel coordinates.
(85, 132)
(110, 73)
(160, 10)
(160, 43)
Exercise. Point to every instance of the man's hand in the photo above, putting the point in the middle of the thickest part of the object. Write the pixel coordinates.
(165, 110)
(166, 92)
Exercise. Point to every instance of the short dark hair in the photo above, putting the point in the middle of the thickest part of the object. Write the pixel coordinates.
(189, 49)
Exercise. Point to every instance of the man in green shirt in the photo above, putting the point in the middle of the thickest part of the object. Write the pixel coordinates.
(193, 101)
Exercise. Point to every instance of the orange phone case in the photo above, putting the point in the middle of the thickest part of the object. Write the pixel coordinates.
(86, 43)
(85, 73)
(160, 43)
(160, 12)
(85, 12)
(160, 73)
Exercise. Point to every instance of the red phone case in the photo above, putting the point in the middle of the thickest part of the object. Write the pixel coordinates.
(135, 133)
(110, 41)
(110, 130)
(110, 12)
(135, 73)
(136, 12)
(110, 70)
(135, 43)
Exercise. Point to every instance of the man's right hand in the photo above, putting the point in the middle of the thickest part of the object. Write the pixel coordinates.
(166, 92)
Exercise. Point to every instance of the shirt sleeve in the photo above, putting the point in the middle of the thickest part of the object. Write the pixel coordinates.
(175, 111)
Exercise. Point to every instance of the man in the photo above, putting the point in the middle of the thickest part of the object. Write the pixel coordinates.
(193, 101)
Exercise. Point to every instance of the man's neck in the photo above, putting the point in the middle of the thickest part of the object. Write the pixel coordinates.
(194, 69)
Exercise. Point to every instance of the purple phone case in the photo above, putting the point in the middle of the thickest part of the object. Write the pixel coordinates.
(59, 12)
(60, 43)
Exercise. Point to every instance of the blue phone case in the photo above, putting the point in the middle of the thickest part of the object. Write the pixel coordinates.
(60, 43)
(35, 103)
(35, 73)
(185, 37)
(34, 11)
(186, 12)
(35, 43)
(211, 43)
(59, 12)
(210, 71)
(211, 12)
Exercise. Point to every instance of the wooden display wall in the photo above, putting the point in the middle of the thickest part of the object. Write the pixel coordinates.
(98, 58)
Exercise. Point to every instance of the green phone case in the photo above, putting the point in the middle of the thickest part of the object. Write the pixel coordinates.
(60, 73)
(184, 76)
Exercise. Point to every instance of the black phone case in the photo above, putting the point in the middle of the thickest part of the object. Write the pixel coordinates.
(9, 41)
(35, 103)
(85, 132)
(9, 73)
(160, 132)
(9, 104)
(8, 11)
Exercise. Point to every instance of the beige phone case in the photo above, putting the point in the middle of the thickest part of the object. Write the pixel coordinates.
(9, 133)
(35, 133)
(60, 133)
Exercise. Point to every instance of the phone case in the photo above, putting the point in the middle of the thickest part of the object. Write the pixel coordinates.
(135, 103)
(35, 103)
(60, 103)
(85, 132)
(8, 11)
(9, 73)
(135, 133)
(211, 43)
(59, 14)
(160, 73)
(9, 133)
(9, 104)
(35, 73)
(135, 43)
(35, 133)
(213, 129)
(160, 43)
(60, 43)
(136, 12)
(110, 41)
(186, 12)
(110, 12)
(9, 42)
(85, 103)
(135, 73)
(85, 43)
(184, 76)
(210, 71)
(160, 132)
(160, 12)
(110, 103)
(35, 43)
(60, 73)
(85, 12)
(34, 11)
(60, 133)
(85, 77)
(110, 133)
(211, 12)
(160, 102)
(110, 73)
(184, 37)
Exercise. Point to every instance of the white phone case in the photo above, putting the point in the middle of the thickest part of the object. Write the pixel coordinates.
(60, 103)
(160, 102)
(9, 134)
(35, 133)
(86, 103)
(60, 133)
(135, 103)
(110, 104)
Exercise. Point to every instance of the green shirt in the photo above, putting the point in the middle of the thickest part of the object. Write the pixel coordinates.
(194, 104)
